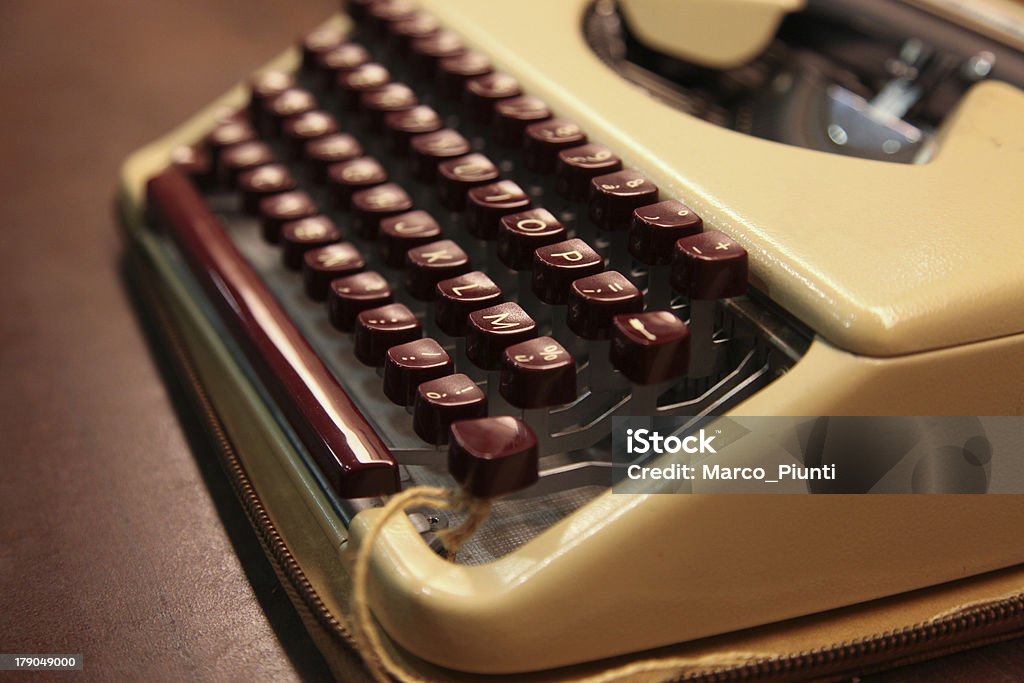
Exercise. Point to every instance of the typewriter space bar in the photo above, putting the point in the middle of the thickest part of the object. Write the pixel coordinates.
(351, 456)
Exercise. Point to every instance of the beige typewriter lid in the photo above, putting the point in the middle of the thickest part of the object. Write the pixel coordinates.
(881, 259)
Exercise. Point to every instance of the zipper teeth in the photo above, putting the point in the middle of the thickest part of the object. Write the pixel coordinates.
(255, 511)
(286, 563)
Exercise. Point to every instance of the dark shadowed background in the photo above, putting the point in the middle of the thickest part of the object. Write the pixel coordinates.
(118, 540)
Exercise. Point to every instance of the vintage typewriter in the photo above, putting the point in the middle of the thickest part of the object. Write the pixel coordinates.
(447, 243)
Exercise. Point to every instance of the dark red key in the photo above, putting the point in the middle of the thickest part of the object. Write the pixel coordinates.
(264, 181)
(538, 373)
(427, 265)
(354, 82)
(301, 129)
(709, 265)
(544, 140)
(520, 234)
(372, 205)
(340, 59)
(492, 330)
(487, 204)
(512, 116)
(492, 456)
(441, 402)
(301, 236)
(655, 229)
(556, 266)
(243, 157)
(400, 126)
(318, 42)
(349, 296)
(649, 348)
(349, 177)
(265, 85)
(379, 102)
(331, 149)
(429, 50)
(320, 266)
(378, 329)
(483, 92)
(226, 134)
(407, 366)
(456, 177)
(614, 196)
(282, 208)
(399, 234)
(453, 72)
(381, 14)
(404, 31)
(595, 300)
(577, 166)
(291, 102)
(460, 296)
(431, 149)
(196, 164)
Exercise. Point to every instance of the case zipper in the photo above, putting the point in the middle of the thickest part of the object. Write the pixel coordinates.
(828, 660)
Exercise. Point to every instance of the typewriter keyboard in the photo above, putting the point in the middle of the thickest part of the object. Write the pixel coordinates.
(433, 275)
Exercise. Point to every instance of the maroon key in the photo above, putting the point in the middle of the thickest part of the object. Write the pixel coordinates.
(301, 129)
(306, 234)
(226, 134)
(378, 329)
(264, 181)
(459, 296)
(265, 85)
(538, 373)
(354, 82)
(595, 300)
(242, 157)
(320, 266)
(556, 266)
(544, 140)
(431, 149)
(512, 116)
(318, 42)
(282, 208)
(427, 265)
(492, 456)
(291, 102)
(404, 31)
(453, 72)
(441, 402)
(349, 177)
(520, 234)
(407, 366)
(709, 265)
(455, 178)
(481, 93)
(400, 126)
(487, 204)
(381, 14)
(429, 50)
(347, 297)
(577, 166)
(399, 234)
(331, 149)
(338, 60)
(614, 196)
(372, 205)
(195, 163)
(655, 229)
(649, 348)
(379, 102)
(492, 330)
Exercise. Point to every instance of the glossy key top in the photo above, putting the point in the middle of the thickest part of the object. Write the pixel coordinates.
(398, 234)
(513, 115)
(440, 402)
(282, 208)
(594, 301)
(614, 196)
(453, 72)
(577, 166)
(370, 206)
(328, 150)
(656, 227)
(430, 149)
(709, 265)
(543, 141)
(483, 92)
(521, 234)
(409, 365)
(556, 266)
(428, 264)
(487, 204)
(322, 265)
(378, 329)
(650, 348)
(348, 177)
(298, 237)
(459, 296)
(492, 330)
(538, 373)
(456, 177)
(347, 297)
(387, 99)
(353, 83)
(401, 126)
(492, 456)
(264, 181)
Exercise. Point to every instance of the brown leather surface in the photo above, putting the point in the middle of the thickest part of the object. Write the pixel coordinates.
(118, 538)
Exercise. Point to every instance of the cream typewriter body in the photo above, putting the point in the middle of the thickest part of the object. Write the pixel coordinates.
(890, 274)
